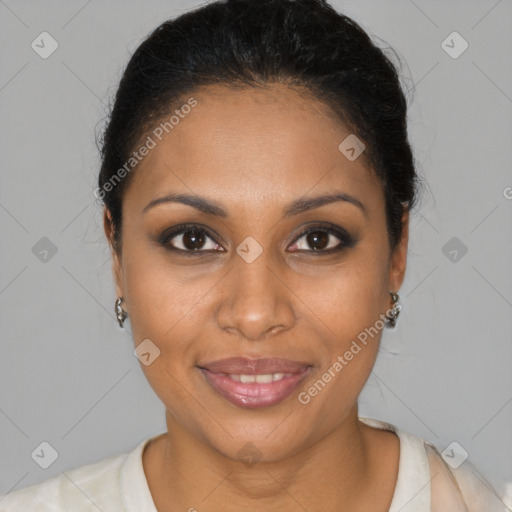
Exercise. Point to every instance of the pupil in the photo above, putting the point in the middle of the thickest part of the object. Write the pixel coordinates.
(193, 239)
(317, 238)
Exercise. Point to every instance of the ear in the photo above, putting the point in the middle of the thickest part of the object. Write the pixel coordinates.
(398, 261)
(117, 268)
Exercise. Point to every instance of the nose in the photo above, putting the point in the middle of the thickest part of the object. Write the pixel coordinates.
(255, 302)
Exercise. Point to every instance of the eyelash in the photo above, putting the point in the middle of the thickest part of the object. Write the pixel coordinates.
(345, 239)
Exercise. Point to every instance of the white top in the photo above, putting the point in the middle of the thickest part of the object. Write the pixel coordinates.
(426, 483)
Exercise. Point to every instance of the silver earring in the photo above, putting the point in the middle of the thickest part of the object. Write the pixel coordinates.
(395, 309)
(120, 312)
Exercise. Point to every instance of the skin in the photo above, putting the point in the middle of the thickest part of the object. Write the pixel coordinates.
(255, 151)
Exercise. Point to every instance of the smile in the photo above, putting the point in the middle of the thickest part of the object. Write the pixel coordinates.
(252, 383)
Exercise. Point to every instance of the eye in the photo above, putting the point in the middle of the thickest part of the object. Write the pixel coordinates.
(189, 238)
(322, 239)
(192, 239)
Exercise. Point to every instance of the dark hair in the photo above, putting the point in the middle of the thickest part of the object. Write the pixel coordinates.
(254, 43)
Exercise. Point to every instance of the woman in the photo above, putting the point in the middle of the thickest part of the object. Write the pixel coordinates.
(257, 181)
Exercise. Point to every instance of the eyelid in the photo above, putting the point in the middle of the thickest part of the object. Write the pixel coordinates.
(165, 238)
(326, 226)
(346, 240)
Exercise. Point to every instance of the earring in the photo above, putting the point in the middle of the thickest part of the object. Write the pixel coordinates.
(393, 313)
(120, 312)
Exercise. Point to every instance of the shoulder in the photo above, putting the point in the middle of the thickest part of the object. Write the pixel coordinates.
(428, 482)
(88, 487)
(461, 487)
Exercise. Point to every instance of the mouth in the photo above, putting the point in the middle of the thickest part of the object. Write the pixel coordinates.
(253, 383)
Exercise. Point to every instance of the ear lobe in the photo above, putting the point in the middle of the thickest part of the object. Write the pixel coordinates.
(117, 270)
(118, 275)
(108, 227)
(398, 262)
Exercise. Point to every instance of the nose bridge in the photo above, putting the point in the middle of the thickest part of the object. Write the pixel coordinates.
(255, 282)
(255, 301)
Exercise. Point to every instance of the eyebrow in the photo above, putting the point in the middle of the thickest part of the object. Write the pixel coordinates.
(298, 206)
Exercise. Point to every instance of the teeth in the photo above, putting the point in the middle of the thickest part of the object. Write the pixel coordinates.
(264, 379)
(259, 379)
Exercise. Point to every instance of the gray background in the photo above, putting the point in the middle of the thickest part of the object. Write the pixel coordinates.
(68, 374)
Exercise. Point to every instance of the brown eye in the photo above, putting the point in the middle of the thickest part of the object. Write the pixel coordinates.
(323, 239)
(193, 239)
(189, 239)
(318, 239)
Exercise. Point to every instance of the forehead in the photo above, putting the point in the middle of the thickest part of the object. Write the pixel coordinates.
(271, 143)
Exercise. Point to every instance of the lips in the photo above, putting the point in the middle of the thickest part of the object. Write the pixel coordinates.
(252, 383)
(248, 366)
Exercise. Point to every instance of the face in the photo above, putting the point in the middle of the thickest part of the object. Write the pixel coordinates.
(256, 270)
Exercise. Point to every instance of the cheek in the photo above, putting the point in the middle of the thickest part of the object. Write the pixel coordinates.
(158, 296)
(349, 297)
(347, 306)
(352, 311)
(163, 306)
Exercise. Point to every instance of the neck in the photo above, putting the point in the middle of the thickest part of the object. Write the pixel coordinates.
(190, 474)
